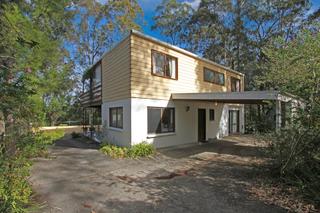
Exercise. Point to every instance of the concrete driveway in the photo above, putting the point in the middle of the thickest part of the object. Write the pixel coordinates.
(213, 177)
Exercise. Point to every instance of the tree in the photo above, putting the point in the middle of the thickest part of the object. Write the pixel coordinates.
(172, 20)
(233, 33)
(97, 26)
(33, 62)
(294, 67)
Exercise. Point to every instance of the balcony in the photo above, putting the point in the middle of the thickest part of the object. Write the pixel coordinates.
(91, 98)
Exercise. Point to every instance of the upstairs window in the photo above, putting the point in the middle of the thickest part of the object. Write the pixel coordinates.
(235, 84)
(213, 76)
(164, 65)
(97, 75)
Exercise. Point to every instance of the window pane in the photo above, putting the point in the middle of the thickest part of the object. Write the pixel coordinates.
(235, 85)
(213, 76)
(220, 78)
(171, 67)
(113, 117)
(97, 75)
(158, 61)
(167, 124)
(208, 75)
(154, 116)
(120, 117)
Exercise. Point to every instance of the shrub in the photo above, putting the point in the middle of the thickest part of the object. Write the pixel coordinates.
(53, 135)
(75, 135)
(114, 151)
(296, 159)
(15, 163)
(140, 150)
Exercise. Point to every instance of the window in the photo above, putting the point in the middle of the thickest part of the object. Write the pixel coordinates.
(161, 120)
(97, 75)
(213, 76)
(164, 65)
(235, 84)
(116, 117)
(211, 114)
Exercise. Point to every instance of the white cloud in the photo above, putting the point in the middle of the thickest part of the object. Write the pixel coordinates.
(193, 3)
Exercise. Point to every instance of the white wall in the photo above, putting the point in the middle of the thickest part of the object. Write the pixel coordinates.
(121, 137)
(135, 122)
(186, 125)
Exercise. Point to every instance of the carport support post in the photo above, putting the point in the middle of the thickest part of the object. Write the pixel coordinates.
(278, 115)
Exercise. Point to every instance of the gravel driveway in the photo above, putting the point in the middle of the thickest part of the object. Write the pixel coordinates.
(212, 177)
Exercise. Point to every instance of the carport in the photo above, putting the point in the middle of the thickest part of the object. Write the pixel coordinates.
(246, 97)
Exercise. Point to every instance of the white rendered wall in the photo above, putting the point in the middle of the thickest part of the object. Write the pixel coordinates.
(121, 137)
(186, 125)
(135, 122)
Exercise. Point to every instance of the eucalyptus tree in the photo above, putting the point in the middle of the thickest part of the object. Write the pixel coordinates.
(98, 25)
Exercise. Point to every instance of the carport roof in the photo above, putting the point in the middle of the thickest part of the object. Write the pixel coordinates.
(245, 97)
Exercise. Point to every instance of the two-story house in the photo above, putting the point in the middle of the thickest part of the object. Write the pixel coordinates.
(149, 90)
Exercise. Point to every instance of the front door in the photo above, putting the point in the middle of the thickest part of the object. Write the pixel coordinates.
(234, 124)
(201, 124)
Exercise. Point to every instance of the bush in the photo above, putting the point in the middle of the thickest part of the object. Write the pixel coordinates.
(114, 151)
(15, 163)
(140, 150)
(75, 135)
(52, 135)
(295, 154)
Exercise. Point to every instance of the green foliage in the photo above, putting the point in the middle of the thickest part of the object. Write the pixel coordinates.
(75, 135)
(15, 163)
(34, 67)
(232, 33)
(15, 190)
(295, 152)
(294, 67)
(52, 135)
(99, 25)
(140, 150)
(114, 151)
(172, 20)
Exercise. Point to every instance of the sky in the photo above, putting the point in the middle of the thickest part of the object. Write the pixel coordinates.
(149, 6)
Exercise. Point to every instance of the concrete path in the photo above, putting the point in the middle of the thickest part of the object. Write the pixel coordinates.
(199, 178)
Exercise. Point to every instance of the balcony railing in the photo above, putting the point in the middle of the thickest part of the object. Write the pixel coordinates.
(93, 97)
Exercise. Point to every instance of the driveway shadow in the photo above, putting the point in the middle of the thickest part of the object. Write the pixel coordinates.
(81, 143)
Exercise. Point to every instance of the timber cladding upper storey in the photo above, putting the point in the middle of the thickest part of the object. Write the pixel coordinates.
(190, 72)
(116, 72)
(126, 72)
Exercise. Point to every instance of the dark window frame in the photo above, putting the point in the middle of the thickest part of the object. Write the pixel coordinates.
(235, 79)
(164, 66)
(118, 126)
(215, 72)
(161, 120)
(211, 115)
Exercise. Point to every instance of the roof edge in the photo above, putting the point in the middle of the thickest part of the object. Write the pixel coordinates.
(183, 51)
(186, 52)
